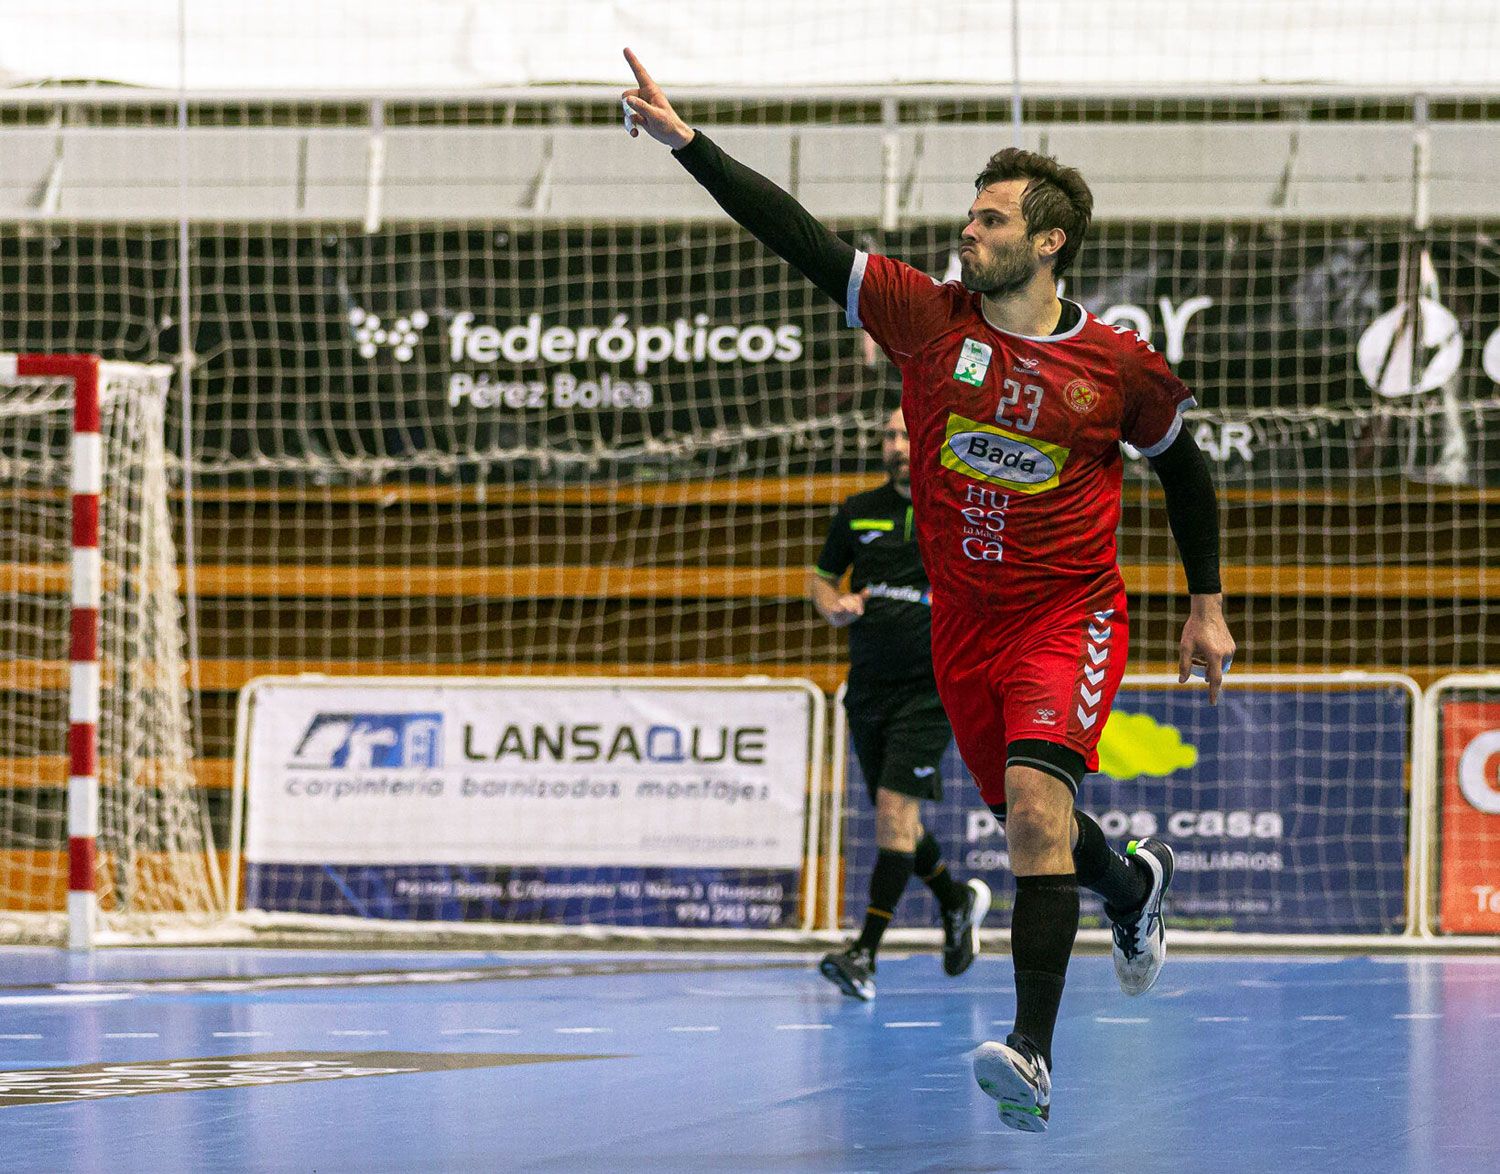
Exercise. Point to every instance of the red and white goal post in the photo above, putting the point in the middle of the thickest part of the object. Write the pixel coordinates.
(92, 610)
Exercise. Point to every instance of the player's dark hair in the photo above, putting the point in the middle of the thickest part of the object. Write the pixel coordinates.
(1055, 197)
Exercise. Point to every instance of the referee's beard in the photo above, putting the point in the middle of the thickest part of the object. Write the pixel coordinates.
(898, 469)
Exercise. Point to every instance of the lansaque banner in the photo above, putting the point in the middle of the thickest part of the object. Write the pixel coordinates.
(1286, 808)
(559, 802)
(688, 350)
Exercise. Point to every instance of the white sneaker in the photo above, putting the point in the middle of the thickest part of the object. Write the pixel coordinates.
(1015, 1074)
(1140, 937)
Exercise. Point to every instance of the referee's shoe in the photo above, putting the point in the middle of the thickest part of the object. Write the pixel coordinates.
(852, 970)
(1140, 936)
(961, 928)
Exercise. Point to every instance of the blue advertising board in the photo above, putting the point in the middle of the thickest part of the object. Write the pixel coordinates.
(1286, 808)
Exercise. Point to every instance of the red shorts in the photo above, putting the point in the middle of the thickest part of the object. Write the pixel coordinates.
(1054, 681)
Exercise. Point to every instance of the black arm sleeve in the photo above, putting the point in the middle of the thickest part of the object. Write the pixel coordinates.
(772, 216)
(1192, 510)
(838, 550)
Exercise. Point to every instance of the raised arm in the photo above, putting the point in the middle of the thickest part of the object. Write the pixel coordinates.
(1193, 512)
(770, 214)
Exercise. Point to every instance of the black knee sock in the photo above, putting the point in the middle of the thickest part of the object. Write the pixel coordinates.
(887, 883)
(1042, 928)
(1122, 881)
(935, 875)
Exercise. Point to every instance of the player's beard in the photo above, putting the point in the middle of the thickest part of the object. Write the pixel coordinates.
(1010, 272)
(899, 471)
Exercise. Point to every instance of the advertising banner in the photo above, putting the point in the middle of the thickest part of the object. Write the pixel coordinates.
(1469, 818)
(627, 803)
(1286, 808)
(688, 350)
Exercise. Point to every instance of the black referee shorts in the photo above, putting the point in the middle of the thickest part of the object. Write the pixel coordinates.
(899, 741)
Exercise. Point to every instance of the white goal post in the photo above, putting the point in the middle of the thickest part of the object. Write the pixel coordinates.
(105, 834)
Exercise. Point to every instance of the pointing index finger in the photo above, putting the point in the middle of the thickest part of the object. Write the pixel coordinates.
(642, 78)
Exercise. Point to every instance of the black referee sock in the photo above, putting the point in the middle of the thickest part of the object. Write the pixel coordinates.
(1042, 928)
(887, 883)
(1122, 881)
(934, 873)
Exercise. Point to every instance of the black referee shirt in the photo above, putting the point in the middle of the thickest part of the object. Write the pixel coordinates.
(891, 644)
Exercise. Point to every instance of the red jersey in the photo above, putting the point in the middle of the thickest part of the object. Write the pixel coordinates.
(1015, 441)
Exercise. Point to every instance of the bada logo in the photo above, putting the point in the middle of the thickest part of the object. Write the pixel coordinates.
(365, 741)
(1000, 457)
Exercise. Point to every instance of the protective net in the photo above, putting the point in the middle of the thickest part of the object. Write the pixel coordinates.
(482, 387)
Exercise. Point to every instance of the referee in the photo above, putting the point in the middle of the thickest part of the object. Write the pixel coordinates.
(895, 718)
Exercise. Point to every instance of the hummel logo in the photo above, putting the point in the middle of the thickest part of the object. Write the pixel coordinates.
(869, 536)
(1029, 364)
(923, 772)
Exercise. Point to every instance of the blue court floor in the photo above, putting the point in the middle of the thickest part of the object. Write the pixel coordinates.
(260, 1060)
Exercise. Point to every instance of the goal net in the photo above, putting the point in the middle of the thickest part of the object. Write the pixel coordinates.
(102, 818)
(483, 388)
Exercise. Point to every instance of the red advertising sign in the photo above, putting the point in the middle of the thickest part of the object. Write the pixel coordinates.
(1469, 848)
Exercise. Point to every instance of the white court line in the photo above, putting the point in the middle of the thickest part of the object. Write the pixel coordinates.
(692, 1029)
(1419, 1015)
(132, 1035)
(582, 1030)
(22, 1035)
(1435, 960)
(33, 999)
(915, 1023)
(480, 1031)
(240, 1034)
(1322, 1018)
(361, 1033)
(804, 1027)
(1122, 1019)
(1223, 1019)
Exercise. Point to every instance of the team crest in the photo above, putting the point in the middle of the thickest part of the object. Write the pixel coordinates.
(973, 363)
(1082, 396)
